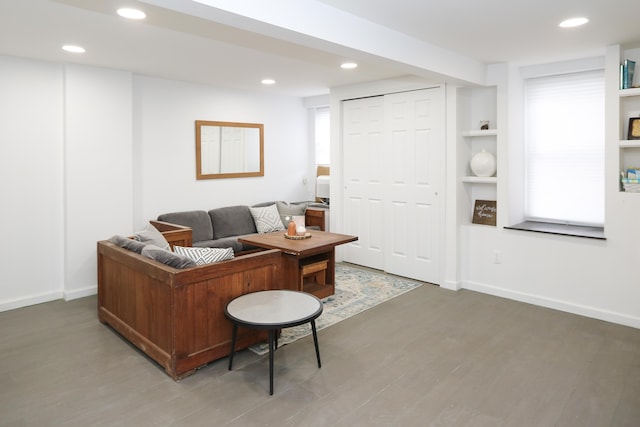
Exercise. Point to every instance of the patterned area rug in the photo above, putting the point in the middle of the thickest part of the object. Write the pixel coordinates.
(356, 291)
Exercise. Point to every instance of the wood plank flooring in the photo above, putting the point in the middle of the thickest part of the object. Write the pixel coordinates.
(431, 357)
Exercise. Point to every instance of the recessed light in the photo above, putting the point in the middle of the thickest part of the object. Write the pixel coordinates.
(73, 48)
(268, 81)
(349, 65)
(131, 13)
(573, 22)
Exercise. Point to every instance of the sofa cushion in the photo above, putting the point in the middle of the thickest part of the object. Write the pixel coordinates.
(152, 236)
(166, 257)
(266, 219)
(129, 244)
(232, 221)
(199, 221)
(290, 209)
(203, 256)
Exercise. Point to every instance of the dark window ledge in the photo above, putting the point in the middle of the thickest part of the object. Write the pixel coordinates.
(561, 229)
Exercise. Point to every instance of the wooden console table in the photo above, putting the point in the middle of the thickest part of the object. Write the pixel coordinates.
(319, 249)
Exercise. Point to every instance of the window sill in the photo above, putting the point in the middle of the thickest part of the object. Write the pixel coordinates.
(560, 229)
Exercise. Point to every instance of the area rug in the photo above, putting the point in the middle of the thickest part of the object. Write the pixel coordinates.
(356, 291)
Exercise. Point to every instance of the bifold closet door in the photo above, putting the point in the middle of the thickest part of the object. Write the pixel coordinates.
(363, 140)
(393, 169)
(414, 167)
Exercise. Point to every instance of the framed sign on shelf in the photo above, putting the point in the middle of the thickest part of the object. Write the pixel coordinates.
(634, 128)
(484, 212)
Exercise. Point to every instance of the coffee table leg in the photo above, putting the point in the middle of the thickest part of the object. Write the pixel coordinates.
(271, 350)
(315, 341)
(233, 344)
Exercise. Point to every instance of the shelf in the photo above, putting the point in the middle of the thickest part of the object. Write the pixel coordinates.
(629, 92)
(480, 179)
(629, 143)
(488, 132)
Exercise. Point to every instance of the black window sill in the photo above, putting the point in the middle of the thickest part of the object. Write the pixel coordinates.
(560, 229)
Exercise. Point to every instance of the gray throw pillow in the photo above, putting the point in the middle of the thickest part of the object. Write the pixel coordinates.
(168, 258)
(152, 236)
(129, 244)
(289, 210)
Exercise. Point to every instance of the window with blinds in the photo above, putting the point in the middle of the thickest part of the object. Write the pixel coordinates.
(564, 134)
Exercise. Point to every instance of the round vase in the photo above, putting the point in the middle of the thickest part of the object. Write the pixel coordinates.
(483, 164)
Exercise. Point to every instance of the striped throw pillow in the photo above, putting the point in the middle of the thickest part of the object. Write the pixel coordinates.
(202, 256)
(267, 219)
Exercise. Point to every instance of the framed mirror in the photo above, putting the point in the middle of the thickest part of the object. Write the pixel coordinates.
(229, 150)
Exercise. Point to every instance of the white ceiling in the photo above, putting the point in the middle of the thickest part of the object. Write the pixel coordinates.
(189, 41)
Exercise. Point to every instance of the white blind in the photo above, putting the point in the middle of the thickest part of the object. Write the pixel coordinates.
(565, 148)
(322, 136)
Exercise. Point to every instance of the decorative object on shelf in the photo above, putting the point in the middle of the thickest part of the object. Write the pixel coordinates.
(484, 124)
(634, 128)
(485, 212)
(627, 71)
(483, 164)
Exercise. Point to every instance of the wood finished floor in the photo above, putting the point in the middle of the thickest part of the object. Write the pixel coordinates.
(430, 357)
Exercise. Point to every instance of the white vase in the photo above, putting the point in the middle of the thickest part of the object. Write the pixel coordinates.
(483, 164)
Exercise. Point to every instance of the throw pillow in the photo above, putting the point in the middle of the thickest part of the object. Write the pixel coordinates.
(166, 257)
(202, 256)
(152, 236)
(267, 219)
(129, 244)
(290, 210)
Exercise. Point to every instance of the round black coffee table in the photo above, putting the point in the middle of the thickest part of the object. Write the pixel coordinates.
(273, 310)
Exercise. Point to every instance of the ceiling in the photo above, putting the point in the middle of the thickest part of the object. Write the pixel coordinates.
(189, 41)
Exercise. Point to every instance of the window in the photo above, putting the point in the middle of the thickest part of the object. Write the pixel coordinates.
(322, 136)
(564, 155)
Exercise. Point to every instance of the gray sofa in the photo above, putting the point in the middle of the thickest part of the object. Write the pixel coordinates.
(221, 227)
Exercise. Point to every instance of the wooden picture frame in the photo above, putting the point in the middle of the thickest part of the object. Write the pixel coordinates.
(634, 128)
(485, 212)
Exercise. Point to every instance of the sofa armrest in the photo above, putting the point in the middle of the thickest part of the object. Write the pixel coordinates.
(176, 235)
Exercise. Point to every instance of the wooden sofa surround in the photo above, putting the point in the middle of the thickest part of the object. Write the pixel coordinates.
(176, 316)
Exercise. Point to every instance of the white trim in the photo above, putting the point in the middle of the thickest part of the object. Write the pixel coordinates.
(451, 285)
(80, 293)
(29, 300)
(582, 310)
(564, 67)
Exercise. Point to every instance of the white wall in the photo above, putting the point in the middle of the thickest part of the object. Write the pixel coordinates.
(164, 129)
(98, 176)
(31, 171)
(599, 279)
(91, 152)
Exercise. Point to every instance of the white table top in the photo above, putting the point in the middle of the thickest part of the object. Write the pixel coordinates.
(274, 308)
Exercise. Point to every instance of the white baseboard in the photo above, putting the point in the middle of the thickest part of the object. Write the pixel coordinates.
(451, 285)
(80, 293)
(29, 300)
(582, 310)
(47, 297)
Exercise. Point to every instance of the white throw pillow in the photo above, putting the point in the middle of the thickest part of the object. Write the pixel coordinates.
(202, 256)
(267, 219)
